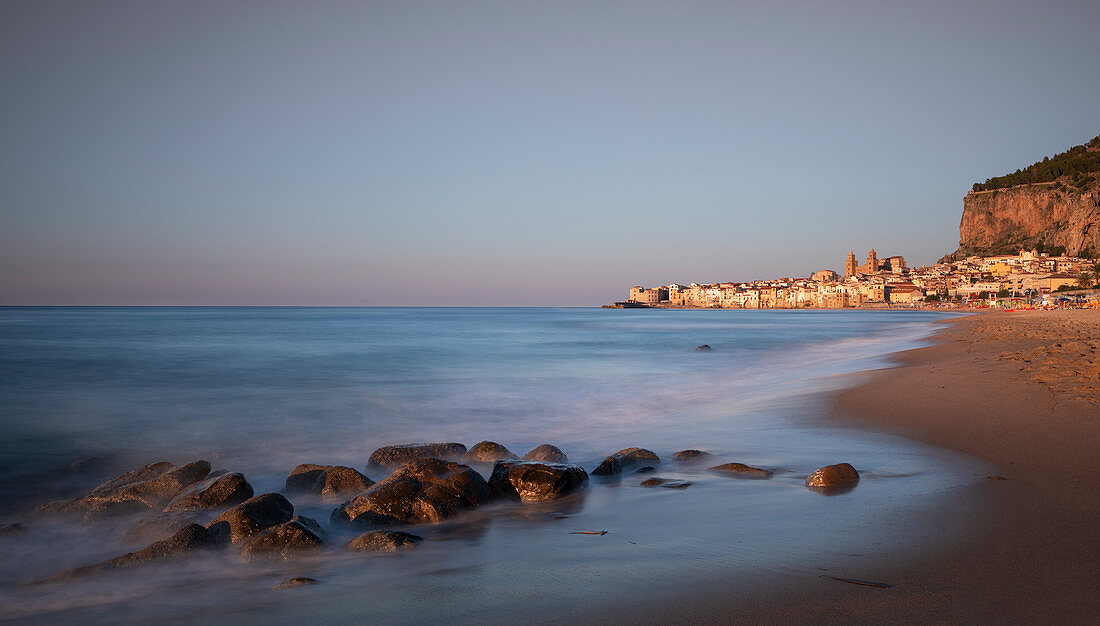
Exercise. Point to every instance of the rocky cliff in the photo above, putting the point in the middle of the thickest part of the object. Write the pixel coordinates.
(1042, 215)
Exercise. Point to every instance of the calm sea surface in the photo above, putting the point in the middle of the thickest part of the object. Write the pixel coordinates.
(259, 390)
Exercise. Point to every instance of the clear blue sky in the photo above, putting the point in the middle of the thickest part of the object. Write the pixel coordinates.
(507, 153)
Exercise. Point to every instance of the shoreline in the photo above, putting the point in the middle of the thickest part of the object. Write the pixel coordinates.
(1008, 389)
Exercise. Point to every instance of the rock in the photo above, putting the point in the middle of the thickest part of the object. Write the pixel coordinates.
(421, 490)
(110, 510)
(833, 476)
(190, 538)
(531, 481)
(162, 526)
(546, 453)
(285, 540)
(383, 541)
(255, 514)
(157, 492)
(341, 481)
(609, 467)
(11, 529)
(742, 470)
(305, 478)
(630, 457)
(665, 482)
(212, 493)
(390, 456)
(300, 581)
(703, 348)
(489, 452)
(688, 456)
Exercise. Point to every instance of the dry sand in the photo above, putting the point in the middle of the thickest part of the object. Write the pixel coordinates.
(1020, 391)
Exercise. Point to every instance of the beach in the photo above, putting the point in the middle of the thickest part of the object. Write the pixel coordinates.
(1020, 392)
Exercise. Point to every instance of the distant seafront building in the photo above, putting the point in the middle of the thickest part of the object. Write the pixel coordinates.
(879, 282)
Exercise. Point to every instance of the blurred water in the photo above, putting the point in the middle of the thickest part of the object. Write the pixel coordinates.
(259, 390)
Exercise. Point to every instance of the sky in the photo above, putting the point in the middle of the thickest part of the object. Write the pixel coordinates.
(507, 153)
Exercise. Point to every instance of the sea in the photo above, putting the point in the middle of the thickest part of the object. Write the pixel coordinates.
(87, 393)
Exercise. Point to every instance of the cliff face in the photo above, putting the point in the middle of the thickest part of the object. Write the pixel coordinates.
(1005, 221)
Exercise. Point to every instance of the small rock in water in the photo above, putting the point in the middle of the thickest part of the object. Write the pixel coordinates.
(341, 481)
(665, 482)
(162, 526)
(11, 529)
(304, 478)
(285, 540)
(111, 510)
(383, 541)
(421, 490)
(833, 476)
(685, 456)
(188, 539)
(742, 470)
(390, 456)
(489, 452)
(702, 348)
(212, 493)
(153, 485)
(630, 457)
(546, 453)
(531, 481)
(300, 581)
(648, 469)
(609, 467)
(255, 514)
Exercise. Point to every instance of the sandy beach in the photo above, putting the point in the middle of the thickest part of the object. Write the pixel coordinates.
(1019, 391)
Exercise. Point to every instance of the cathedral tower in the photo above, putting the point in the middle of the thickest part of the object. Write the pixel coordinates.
(872, 261)
(850, 264)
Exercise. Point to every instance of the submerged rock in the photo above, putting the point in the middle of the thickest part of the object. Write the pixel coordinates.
(162, 526)
(421, 490)
(608, 467)
(383, 541)
(190, 538)
(546, 453)
(301, 534)
(11, 529)
(833, 476)
(390, 456)
(647, 469)
(531, 481)
(668, 483)
(741, 470)
(687, 456)
(254, 514)
(489, 452)
(299, 581)
(111, 511)
(703, 348)
(213, 493)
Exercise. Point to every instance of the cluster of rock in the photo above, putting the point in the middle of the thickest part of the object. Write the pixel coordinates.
(188, 508)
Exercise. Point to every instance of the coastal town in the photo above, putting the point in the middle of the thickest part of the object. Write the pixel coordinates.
(881, 282)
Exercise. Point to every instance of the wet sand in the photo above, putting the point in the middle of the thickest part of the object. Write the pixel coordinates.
(1020, 391)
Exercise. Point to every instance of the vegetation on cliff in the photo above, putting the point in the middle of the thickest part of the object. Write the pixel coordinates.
(1074, 163)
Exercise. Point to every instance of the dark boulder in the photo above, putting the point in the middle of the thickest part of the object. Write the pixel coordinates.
(741, 470)
(157, 492)
(162, 526)
(305, 478)
(190, 538)
(690, 456)
(841, 474)
(421, 490)
(703, 348)
(300, 581)
(383, 541)
(285, 540)
(212, 493)
(390, 456)
(667, 483)
(253, 515)
(546, 453)
(629, 457)
(531, 481)
(609, 467)
(340, 481)
(489, 452)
